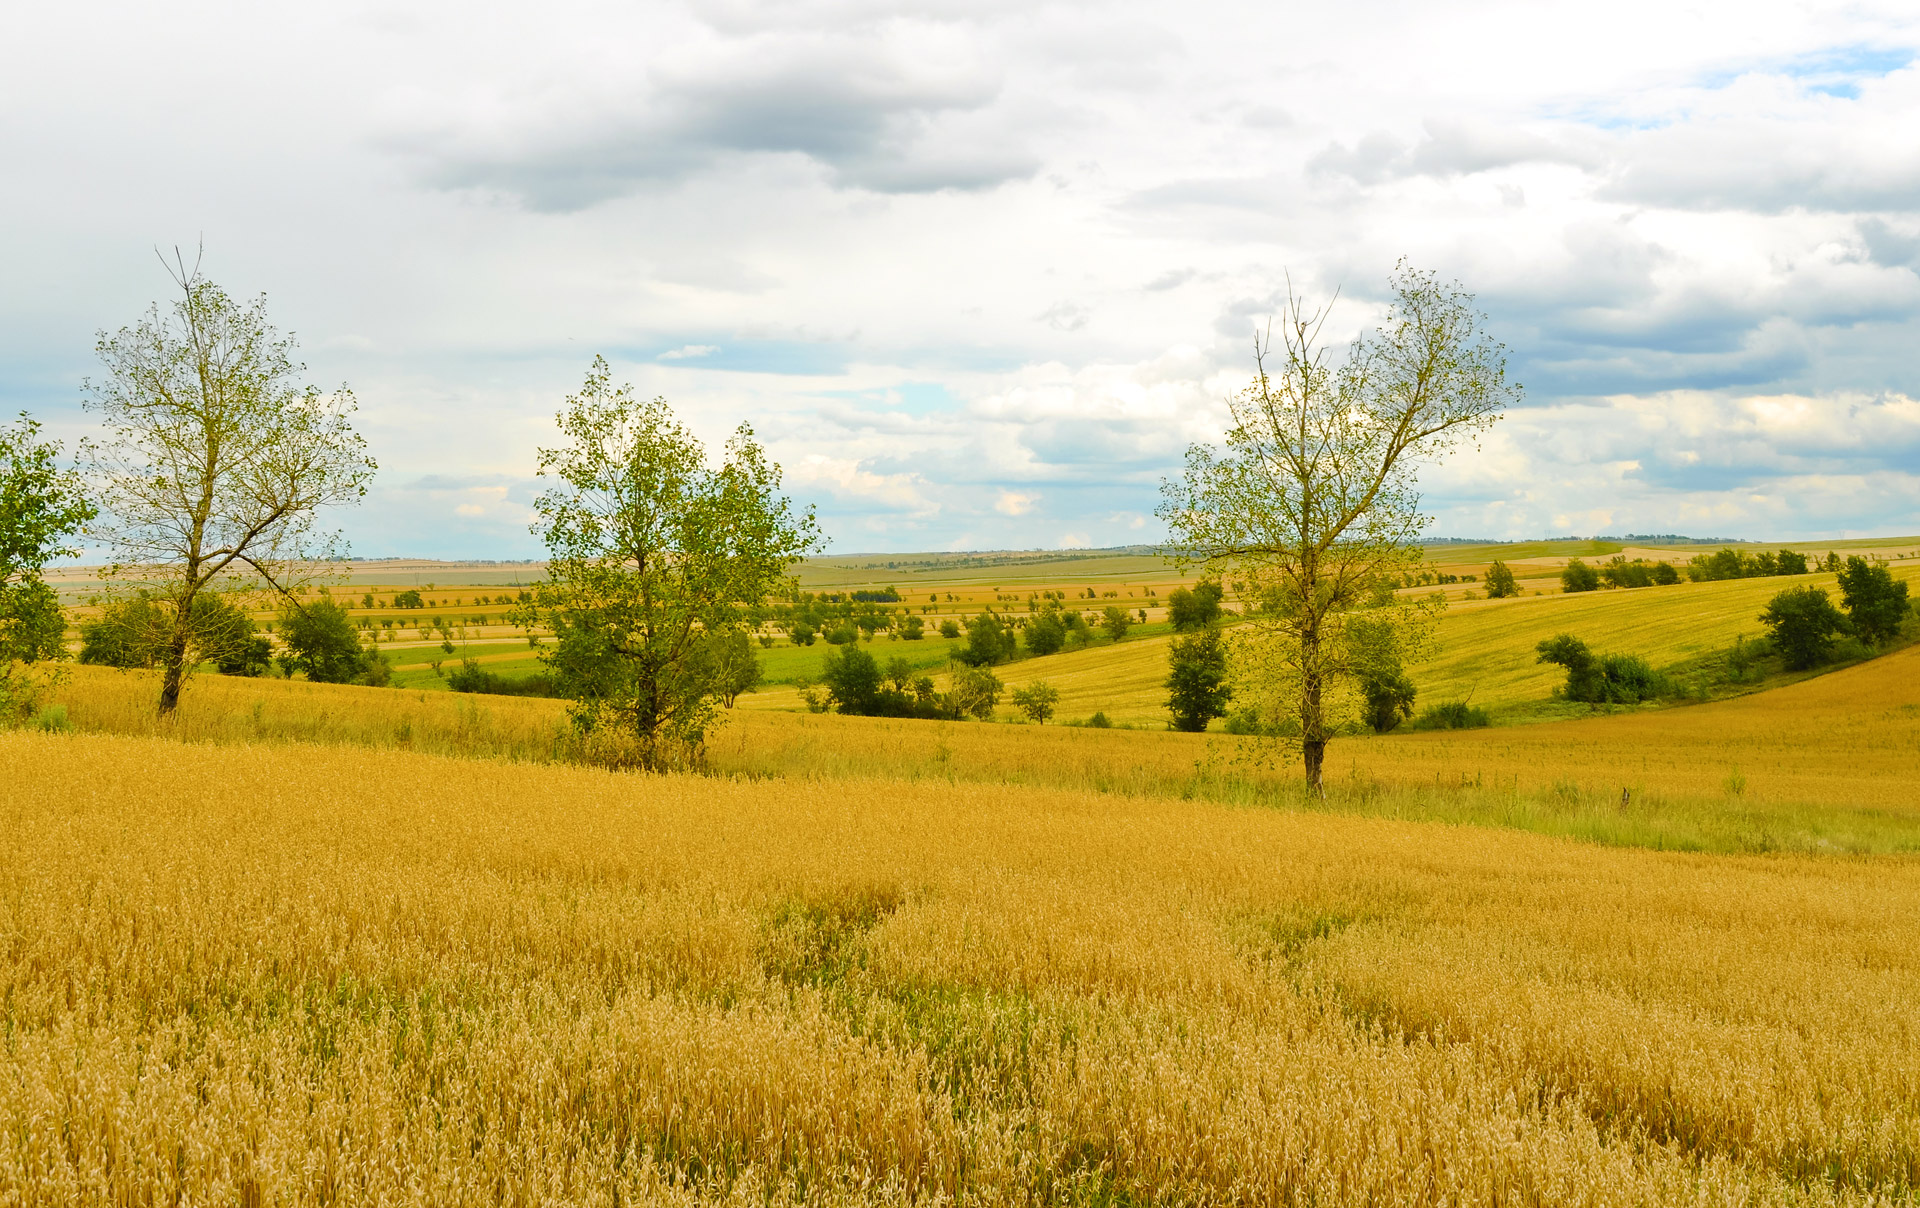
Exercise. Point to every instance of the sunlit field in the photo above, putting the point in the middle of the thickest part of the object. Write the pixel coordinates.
(324, 944)
(316, 975)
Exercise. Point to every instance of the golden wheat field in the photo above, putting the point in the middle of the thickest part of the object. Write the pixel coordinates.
(309, 974)
(1830, 763)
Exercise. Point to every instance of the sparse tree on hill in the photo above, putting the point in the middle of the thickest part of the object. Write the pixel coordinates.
(1314, 503)
(652, 556)
(1116, 620)
(216, 461)
(1037, 701)
(1500, 581)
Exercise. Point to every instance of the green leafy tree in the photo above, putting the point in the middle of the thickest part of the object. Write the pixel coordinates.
(215, 461)
(1197, 687)
(1376, 652)
(1194, 608)
(1314, 503)
(653, 554)
(1037, 701)
(1500, 581)
(989, 641)
(913, 629)
(1802, 622)
(1046, 634)
(409, 598)
(1786, 562)
(1116, 620)
(320, 640)
(853, 681)
(42, 508)
(1578, 576)
(949, 628)
(734, 667)
(1875, 601)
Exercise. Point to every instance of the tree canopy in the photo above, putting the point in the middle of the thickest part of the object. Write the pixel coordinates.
(1313, 503)
(656, 560)
(215, 460)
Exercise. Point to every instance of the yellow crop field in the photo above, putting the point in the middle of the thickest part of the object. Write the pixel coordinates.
(308, 974)
(1824, 764)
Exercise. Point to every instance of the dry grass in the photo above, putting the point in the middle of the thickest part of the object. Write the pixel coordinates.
(318, 975)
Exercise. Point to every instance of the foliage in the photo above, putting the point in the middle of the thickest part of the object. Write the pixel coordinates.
(1197, 687)
(320, 640)
(1194, 608)
(135, 631)
(729, 663)
(1036, 700)
(1802, 622)
(1612, 679)
(1875, 601)
(1314, 503)
(42, 508)
(1376, 652)
(215, 461)
(989, 641)
(1046, 633)
(1452, 715)
(949, 628)
(1733, 563)
(1500, 581)
(975, 692)
(1115, 620)
(652, 558)
(470, 676)
(1618, 572)
(409, 598)
(1578, 576)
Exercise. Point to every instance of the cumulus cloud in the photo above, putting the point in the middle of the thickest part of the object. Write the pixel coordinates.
(893, 107)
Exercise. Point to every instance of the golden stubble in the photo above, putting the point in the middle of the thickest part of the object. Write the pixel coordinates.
(299, 974)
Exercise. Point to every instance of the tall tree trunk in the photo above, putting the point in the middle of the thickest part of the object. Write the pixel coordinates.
(174, 669)
(1315, 751)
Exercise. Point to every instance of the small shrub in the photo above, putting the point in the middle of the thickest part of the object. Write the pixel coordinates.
(1099, 721)
(1453, 715)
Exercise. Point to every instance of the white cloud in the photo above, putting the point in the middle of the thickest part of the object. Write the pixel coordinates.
(942, 255)
(1014, 503)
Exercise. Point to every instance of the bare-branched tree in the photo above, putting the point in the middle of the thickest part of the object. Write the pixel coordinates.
(215, 462)
(1313, 504)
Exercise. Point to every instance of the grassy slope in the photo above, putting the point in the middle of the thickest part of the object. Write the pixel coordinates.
(1486, 649)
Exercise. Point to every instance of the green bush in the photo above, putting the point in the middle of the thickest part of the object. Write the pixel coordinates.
(1802, 622)
(1578, 576)
(1453, 715)
(1613, 679)
(1196, 608)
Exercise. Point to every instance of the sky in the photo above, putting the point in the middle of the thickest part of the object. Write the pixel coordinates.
(978, 273)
